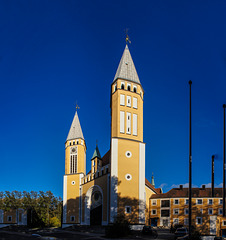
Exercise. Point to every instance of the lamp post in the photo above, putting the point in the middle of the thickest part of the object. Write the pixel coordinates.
(190, 168)
(224, 106)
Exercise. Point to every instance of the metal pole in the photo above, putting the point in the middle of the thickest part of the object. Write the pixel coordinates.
(224, 106)
(190, 168)
(213, 176)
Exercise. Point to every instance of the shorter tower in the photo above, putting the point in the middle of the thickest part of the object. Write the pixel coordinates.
(96, 161)
(75, 169)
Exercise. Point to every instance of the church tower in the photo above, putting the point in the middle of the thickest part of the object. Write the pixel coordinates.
(127, 194)
(75, 169)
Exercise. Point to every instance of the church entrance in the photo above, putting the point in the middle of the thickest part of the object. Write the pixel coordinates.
(96, 208)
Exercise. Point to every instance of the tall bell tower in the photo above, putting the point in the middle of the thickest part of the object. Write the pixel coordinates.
(127, 194)
(75, 169)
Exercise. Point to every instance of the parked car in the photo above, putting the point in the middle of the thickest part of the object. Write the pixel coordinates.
(181, 232)
(185, 237)
(174, 227)
(147, 230)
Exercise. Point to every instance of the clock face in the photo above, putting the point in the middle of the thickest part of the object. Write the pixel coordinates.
(73, 150)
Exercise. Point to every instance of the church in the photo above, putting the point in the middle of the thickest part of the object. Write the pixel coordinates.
(116, 184)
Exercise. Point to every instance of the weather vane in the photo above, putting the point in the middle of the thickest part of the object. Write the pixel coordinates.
(127, 36)
(77, 107)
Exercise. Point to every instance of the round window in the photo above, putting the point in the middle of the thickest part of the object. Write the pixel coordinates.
(73, 182)
(128, 154)
(128, 177)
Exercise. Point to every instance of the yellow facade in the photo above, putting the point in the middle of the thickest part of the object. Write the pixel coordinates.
(115, 185)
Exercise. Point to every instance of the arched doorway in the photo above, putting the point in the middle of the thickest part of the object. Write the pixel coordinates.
(93, 206)
(96, 208)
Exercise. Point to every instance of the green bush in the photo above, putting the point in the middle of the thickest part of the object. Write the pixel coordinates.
(54, 222)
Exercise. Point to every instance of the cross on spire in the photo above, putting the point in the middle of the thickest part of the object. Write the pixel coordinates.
(77, 107)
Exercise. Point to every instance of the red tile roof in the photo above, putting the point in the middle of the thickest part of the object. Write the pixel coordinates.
(183, 192)
(156, 190)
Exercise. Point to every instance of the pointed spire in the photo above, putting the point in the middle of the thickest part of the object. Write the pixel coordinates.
(75, 130)
(152, 180)
(96, 153)
(126, 69)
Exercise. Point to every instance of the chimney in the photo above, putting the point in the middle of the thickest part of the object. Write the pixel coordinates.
(212, 183)
(203, 187)
(181, 187)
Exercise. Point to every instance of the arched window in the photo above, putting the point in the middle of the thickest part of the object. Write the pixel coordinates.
(128, 87)
(135, 89)
(122, 86)
(115, 87)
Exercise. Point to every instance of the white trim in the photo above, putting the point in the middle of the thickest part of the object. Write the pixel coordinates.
(128, 101)
(72, 182)
(209, 201)
(152, 202)
(135, 102)
(122, 122)
(223, 222)
(186, 221)
(186, 209)
(210, 209)
(197, 201)
(175, 220)
(197, 220)
(174, 211)
(88, 203)
(142, 200)
(130, 154)
(174, 201)
(128, 123)
(108, 197)
(186, 199)
(220, 213)
(122, 99)
(128, 175)
(220, 201)
(134, 124)
(65, 200)
(155, 212)
(114, 179)
(130, 209)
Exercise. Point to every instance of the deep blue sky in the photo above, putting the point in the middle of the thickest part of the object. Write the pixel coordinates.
(54, 53)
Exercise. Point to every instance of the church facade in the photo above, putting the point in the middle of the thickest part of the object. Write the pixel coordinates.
(116, 184)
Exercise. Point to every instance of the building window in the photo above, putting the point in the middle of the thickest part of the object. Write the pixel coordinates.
(127, 209)
(153, 212)
(128, 177)
(186, 211)
(128, 101)
(122, 122)
(135, 89)
(220, 211)
(176, 211)
(73, 142)
(199, 201)
(154, 202)
(72, 218)
(77, 142)
(165, 203)
(165, 213)
(201, 210)
(128, 121)
(210, 201)
(220, 201)
(135, 102)
(186, 221)
(198, 220)
(176, 221)
(186, 201)
(70, 143)
(9, 218)
(122, 86)
(224, 222)
(122, 99)
(135, 124)
(73, 164)
(72, 182)
(210, 211)
(128, 87)
(176, 201)
(115, 87)
(128, 154)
